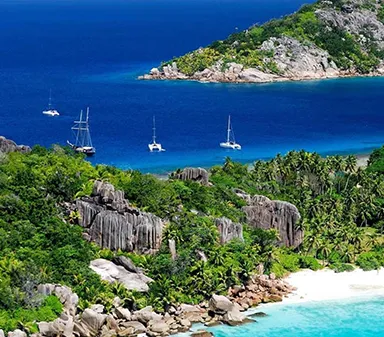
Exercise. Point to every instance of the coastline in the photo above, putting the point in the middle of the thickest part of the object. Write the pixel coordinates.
(323, 285)
(362, 161)
(156, 75)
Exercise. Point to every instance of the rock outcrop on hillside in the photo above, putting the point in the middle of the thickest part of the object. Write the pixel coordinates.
(110, 272)
(112, 223)
(229, 230)
(7, 145)
(196, 174)
(283, 216)
(293, 52)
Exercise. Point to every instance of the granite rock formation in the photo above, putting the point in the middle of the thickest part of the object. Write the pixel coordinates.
(112, 223)
(229, 230)
(283, 216)
(111, 272)
(7, 145)
(198, 174)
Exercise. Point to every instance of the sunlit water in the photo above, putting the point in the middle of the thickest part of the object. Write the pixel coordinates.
(344, 318)
(90, 53)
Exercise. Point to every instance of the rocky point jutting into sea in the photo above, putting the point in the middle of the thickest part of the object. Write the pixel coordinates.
(328, 39)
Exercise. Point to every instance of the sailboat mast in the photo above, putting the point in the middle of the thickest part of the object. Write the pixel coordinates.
(89, 140)
(229, 128)
(50, 100)
(154, 130)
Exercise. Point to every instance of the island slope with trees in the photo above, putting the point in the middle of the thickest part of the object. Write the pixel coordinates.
(327, 39)
(41, 240)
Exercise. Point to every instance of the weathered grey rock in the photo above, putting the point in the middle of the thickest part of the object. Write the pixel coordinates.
(113, 224)
(99, 308)
(127, 264)
(2, 333)
(220, 305)
(234, 317)
(81, 329)
(58, 327)
(93, 321)
(138, 326)
(198, 174)
(7, 146)
(280, 215)
(355, 22)
(110, 272)
(69, 299)
(123, 313)
(229, 230)
(145, 315)
(172, 248)
(201, 333)
(158, 326)
(17, 333)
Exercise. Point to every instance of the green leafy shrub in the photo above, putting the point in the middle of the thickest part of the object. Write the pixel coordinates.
(309, 262)
(341, 267)
(369, 261)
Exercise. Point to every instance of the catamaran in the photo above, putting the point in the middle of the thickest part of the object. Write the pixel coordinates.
(155, 147)
(83, 142)
(50, 111)
(230, 143)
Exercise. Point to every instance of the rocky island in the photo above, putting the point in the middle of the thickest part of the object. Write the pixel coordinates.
(327, 39)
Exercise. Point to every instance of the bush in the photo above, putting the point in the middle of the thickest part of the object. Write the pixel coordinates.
(369, 261)
(310, 262)
(48, 311)
(341, 267)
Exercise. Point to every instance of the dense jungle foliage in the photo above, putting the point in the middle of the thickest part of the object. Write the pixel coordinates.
(341, 207)
(360, 52)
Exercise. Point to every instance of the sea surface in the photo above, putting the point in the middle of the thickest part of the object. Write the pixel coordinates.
(362, 317)
(90, 52)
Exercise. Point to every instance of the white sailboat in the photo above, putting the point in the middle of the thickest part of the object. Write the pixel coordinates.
(83, 142)
(230, 143)
(155, 147)
(50, 111)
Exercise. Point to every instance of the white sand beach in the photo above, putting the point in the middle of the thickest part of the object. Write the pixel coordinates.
(327, 285)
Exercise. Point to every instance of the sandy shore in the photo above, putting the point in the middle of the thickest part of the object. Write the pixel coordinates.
(327, 285)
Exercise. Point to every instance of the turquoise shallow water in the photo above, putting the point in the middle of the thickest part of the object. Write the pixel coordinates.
(362, 317)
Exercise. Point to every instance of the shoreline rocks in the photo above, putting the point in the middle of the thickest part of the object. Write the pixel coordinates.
(122, 322)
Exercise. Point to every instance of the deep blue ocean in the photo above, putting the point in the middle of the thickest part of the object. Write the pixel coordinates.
(90, 52)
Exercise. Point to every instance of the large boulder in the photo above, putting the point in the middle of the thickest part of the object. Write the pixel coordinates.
(7, 145)
(110, 272)
(112, 223)
(17, 333)
(274, 214)
(127, 264)
(93, 321)
(58, 327)
(145, 315)
(198, 174)
(138, 327)
(220, 305)
(68, 298)
(229, 230)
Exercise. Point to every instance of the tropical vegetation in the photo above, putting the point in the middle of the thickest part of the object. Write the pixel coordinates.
(341, 206)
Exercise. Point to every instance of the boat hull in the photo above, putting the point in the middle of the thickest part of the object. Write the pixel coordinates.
(87, 150)
(51, 113)
(231, 146)
(155, 147)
